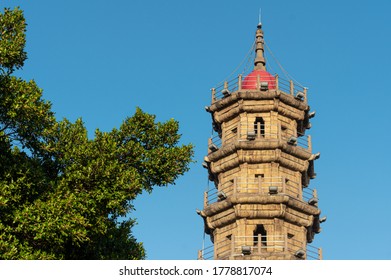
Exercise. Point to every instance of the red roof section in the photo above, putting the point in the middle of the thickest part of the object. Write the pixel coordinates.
(250, 81)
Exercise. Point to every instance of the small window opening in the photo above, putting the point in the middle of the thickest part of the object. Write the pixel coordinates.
(259, 177)
(231, 134)
(284, 131)
(259, 127)
(260, 231)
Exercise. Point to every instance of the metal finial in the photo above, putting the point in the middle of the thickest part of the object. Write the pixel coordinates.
(260, 19)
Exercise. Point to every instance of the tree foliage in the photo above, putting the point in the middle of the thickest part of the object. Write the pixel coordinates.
(63, 195)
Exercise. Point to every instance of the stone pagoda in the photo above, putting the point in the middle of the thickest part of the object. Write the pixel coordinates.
(261, 163)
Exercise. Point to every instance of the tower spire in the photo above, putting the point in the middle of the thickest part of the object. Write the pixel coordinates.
(259, 62)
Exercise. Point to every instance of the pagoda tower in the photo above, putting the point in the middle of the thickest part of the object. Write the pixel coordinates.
(260, 162)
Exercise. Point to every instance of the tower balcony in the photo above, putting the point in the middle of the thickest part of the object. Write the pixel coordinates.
(261, 133)
(262, 186)
(277, 84)
(260, 247)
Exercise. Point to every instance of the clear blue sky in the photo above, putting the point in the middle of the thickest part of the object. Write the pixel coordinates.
(100, 59)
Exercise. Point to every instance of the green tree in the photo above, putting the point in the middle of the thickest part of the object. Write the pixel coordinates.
(63, 195)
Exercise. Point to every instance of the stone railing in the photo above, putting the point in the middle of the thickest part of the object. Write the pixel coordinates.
(258, 186)
(261, 246)
(267, 132)
(284, 86)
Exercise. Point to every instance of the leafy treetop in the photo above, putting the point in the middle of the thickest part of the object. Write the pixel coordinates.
(63, 195)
